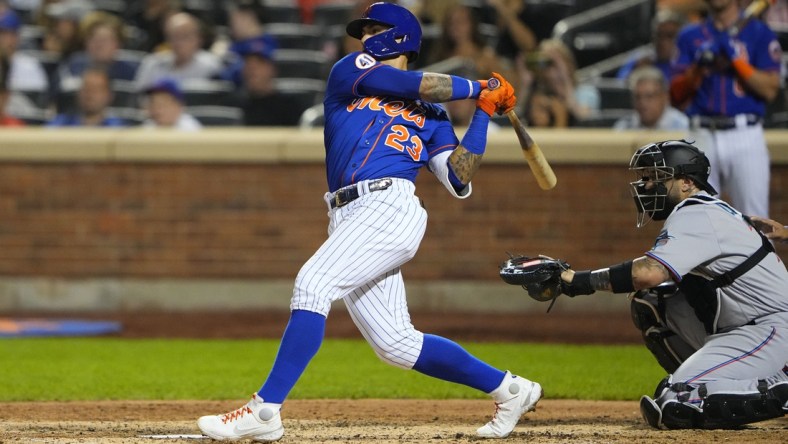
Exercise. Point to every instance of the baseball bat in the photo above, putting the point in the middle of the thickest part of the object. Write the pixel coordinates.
(545, 176)
(753, 10)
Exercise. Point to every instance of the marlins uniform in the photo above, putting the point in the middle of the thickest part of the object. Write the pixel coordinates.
(726, 118)
(745, 349)
(378, 135)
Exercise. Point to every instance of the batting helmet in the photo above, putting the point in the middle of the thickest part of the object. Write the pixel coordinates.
(402, 37)
(658, 163)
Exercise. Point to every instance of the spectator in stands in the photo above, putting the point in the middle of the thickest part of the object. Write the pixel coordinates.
(103, 36)
(555, 76)
(462, 38)
(184, 60)
(246, 19)
(150, 19)
(27, 73)
(514, 19)
(651, 101)
(262, 104)
(62, 37)
(665, 27)
(5, 119)
(93, 100)
(545, 110)
(164, 103)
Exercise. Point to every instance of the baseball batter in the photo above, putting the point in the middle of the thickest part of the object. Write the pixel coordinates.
(728, 72)
(723, 335)
(382, 126)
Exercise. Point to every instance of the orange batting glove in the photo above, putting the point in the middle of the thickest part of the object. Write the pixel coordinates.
(498, 96)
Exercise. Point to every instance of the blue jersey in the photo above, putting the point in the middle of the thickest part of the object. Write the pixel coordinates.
(721, 93)
(375, 124)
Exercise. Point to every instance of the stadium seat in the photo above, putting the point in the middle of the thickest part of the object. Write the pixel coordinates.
(125, 94)
(328, 15)
(117, 7)
(199, 92)
(302, 63)
(281, 11)
(296, 35)
(614, 93)
(306, 93)
(312, 117)
(217, 115)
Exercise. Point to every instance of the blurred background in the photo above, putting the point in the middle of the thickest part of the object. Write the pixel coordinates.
(218, 211)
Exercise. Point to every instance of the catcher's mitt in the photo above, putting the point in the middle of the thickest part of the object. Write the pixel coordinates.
(540, 276)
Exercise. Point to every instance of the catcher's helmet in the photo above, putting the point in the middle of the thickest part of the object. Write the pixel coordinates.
(403, 37)
(660, 162)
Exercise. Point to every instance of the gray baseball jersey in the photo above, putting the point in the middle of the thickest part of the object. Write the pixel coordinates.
(712, 238)
(706, 236)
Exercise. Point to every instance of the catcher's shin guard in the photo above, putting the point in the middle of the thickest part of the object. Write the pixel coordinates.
(723, 410)
(667, 347)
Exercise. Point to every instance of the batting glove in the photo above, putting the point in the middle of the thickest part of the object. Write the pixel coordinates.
(727, 47)
(500, 98)
(705, 53)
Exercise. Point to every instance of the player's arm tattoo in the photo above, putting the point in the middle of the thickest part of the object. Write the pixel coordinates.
(435, 88)
(646, 273)
(464, 163)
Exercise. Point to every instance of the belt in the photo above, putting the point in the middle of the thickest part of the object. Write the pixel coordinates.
(726, 122)
(344, 196)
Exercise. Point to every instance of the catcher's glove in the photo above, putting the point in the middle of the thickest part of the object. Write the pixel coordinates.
(540, 276)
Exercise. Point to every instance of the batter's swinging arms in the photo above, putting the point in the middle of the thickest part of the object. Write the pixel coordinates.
(382, 126)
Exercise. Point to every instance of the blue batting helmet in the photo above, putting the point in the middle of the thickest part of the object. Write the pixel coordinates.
(403, 37)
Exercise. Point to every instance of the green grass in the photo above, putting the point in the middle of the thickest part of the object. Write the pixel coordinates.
(109, 368)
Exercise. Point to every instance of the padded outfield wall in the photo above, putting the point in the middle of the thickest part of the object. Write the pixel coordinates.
(224, 218)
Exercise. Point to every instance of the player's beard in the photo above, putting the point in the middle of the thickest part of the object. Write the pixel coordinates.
(657, 202)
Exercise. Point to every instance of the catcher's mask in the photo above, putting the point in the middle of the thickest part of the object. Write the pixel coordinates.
(656, 163)
(402, 37)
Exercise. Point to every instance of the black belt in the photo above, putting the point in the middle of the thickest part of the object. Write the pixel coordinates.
(344, 196)
(724, 122)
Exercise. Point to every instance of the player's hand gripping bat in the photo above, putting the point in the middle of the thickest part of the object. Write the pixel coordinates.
(545, 176)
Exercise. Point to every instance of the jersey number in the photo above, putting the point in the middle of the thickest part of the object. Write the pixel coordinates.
(400, 135)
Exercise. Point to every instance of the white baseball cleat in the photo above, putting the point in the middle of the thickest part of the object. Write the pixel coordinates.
(256, 420)
(513, 398)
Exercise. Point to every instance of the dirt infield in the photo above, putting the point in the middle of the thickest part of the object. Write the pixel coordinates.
(358, 421)
(367, 420)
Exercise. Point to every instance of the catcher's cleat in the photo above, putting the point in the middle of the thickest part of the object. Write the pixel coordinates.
(651, 412)
(256, 421)
(513, 398)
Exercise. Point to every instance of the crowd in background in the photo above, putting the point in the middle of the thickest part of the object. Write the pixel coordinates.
(180, 63)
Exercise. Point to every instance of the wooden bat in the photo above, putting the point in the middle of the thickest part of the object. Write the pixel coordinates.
(545, 176)
(755, 9)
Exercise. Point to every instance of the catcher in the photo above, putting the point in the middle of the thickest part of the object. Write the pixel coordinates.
(710, 297)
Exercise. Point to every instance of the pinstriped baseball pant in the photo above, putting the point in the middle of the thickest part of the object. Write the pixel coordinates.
(368, 240)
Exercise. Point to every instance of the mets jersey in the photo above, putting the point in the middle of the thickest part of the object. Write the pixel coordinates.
(709, 238)
(376, 125)
(721, 93)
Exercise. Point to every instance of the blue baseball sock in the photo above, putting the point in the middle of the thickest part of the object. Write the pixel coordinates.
(300, 342)
(447, 360)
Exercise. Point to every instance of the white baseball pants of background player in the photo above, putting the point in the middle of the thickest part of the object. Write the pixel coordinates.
(739, 165)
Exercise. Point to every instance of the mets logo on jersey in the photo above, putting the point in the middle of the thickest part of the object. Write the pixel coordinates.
(409, 110)
(662, 239)
(364, 61)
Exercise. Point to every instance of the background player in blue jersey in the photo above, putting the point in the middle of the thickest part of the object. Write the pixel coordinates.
(727, 74)
(382, 126)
